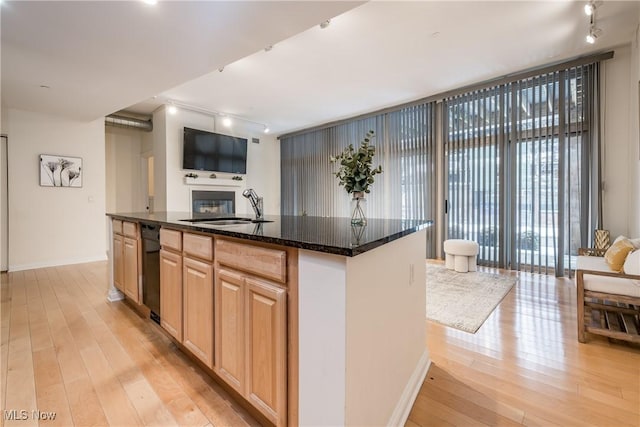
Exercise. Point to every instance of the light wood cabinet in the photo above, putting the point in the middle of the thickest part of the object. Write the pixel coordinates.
(250, 340)
(229, 328)
(171, 293)
(130, 262)
(126, 258)
(197, 282)
(266, 314)
(118, 261)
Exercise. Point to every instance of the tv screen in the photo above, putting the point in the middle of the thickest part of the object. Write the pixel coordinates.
(208, 151)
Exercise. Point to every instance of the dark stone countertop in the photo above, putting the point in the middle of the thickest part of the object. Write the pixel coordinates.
(321, 234)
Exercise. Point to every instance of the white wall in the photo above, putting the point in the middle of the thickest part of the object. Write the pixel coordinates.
(634, 138)
(263, 162)
(618, 143)
(55, 226)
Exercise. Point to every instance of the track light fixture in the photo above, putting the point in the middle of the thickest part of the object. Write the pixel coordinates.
(594, 33)
(227, 120)
(589, 8)
(591, 37)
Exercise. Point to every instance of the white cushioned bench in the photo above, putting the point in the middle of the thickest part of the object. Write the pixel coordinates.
(460, 255)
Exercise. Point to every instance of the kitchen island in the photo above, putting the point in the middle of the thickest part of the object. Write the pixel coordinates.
(344, 305)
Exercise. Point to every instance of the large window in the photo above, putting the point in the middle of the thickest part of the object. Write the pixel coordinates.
(405, 147)
(519, 161)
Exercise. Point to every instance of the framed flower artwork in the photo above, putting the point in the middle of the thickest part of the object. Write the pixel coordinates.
(60, 171)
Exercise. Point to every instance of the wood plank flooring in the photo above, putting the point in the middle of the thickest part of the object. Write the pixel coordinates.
(525, 366)
(65, 349)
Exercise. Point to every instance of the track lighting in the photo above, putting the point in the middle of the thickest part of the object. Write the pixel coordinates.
(226, 119)
(594, 33)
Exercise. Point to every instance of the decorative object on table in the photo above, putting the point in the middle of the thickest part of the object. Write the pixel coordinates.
(213, 175)
(237, 178)
(463, 300)
(60, 171)
(191, 175)
(601, 239)
(356, 175)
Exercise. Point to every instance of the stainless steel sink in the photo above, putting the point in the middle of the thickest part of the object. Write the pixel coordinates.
(217, 220)
(227, 221)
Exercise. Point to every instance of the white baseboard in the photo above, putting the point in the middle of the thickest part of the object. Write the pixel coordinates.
(407, 399)
(56, 263)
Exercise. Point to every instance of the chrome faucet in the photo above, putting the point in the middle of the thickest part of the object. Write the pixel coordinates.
(256, 202)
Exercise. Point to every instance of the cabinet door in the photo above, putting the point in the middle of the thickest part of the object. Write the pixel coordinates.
(130, 255)
(118, 262)
(266, 317)
(171, 293)
(229, 328)
(197, 314)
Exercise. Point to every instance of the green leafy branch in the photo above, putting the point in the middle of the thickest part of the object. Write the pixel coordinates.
(356, 172)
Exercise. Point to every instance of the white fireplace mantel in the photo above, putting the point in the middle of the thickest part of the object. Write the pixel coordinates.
(213, 182)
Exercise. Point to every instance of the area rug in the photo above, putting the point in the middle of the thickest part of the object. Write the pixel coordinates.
(463, 300)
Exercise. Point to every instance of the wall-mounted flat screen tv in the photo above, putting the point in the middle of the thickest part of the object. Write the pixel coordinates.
(209, 151)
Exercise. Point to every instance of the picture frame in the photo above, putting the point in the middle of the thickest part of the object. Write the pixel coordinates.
(60, 171)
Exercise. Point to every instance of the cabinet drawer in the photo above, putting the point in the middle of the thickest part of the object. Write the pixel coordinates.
(117, 226)
(269, 263)
(198, 246)
(129, 229)
(171, 239)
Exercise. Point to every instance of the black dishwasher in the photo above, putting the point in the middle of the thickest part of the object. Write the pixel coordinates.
(151, 268)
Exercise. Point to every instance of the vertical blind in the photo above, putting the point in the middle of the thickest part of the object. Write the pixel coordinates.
(521, 168)
(520, 176)
(405, 148)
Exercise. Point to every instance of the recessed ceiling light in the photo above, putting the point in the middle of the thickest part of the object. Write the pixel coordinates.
(45, 87)
(435, 34)
(172, 109)
(150, 2)
(227, 121)
(268, 48)
(266, 129)
(325, 24)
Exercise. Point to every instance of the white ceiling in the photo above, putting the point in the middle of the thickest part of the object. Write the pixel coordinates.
(375, 55)
(97, 57)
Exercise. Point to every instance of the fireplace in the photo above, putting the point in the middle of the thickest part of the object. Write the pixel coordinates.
(219, 202)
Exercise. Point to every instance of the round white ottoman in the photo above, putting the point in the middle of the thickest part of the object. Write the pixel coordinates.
(460, 255)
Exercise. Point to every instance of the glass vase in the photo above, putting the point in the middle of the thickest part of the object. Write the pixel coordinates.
(358, 208)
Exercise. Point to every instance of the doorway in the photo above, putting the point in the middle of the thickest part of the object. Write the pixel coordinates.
(4, 201)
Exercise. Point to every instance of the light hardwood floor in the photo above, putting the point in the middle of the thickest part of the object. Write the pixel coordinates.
(525, 367)
(65, 349)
